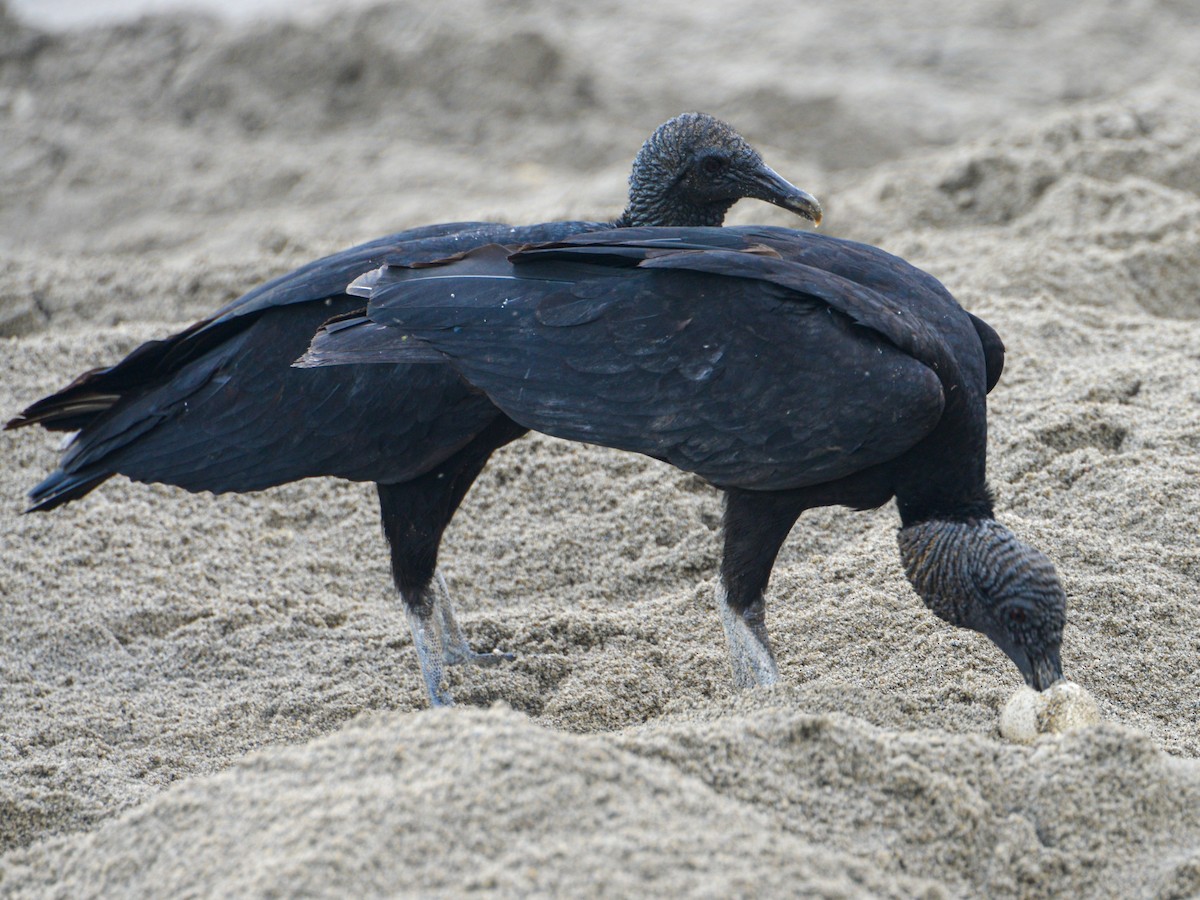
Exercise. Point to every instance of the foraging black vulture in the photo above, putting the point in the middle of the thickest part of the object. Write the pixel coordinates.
(791, 370)
(218, 407)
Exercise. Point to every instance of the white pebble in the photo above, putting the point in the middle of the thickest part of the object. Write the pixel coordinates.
(1061, 707)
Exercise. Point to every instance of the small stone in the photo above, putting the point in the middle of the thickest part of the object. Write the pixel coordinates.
(1062, 707)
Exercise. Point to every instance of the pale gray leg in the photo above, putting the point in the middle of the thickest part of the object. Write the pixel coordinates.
(426, 625)
(439, 639)
(455, 648)
(749, 652)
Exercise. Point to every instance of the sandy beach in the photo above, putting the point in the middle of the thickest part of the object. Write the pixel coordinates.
(218, 696)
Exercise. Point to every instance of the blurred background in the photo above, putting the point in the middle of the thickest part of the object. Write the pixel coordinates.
(125, 117)
(73, 13)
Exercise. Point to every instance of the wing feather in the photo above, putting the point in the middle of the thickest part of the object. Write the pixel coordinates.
(770, 377)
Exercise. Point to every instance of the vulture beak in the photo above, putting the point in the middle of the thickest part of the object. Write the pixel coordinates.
(769, 185)
(1040, 670)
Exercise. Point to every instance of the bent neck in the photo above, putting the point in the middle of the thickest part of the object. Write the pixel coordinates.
(943, 559)
(945, 499)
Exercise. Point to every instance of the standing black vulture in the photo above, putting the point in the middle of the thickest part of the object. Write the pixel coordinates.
(789, 369)
(218, 407)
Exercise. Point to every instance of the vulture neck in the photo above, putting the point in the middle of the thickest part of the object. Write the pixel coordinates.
(658, 208)
(939, 556)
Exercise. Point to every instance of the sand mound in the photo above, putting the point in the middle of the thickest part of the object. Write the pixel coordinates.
(817, 805)
(447, 804)
(216, 695)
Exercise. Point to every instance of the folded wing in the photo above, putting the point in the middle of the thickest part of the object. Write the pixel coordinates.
(737, 364)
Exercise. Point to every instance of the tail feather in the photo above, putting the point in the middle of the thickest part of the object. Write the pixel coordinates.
(96, 391)
(64, 411)
(62, 487)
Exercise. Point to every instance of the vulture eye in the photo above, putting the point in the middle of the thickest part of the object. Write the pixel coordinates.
(714, 165)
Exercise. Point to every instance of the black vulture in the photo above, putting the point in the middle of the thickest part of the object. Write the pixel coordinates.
(789, 369)
(218, 406)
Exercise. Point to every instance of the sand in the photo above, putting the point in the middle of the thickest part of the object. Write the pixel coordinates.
(208, 696)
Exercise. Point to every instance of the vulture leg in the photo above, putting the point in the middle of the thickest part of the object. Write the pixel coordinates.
(421, 609)
(756, 525)
(415, 515)
(455, 648)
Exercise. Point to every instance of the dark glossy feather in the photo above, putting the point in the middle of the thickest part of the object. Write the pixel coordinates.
(751, 367)
(993, 350)
(218, 407)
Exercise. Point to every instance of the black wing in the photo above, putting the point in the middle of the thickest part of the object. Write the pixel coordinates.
(900, 283)
(993, 350)
(97, 391)
(777, 376)
(239, 418)
(218, 407)
(328, 276)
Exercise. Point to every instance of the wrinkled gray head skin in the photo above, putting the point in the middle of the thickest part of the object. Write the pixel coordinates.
(694, 168)
(977, 575)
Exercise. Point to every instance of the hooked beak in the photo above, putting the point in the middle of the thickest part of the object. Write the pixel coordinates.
(1040, 671)
(769, 185)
